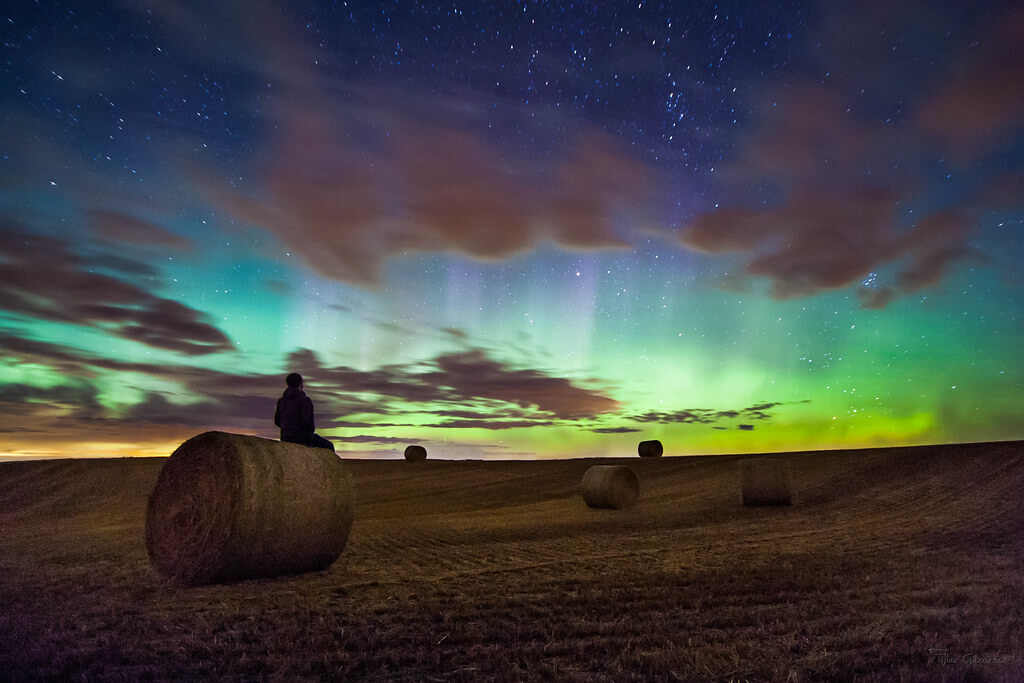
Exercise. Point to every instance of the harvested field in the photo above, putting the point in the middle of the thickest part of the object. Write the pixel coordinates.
(890, 563)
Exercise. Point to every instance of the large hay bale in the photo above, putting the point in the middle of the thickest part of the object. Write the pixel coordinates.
(415, 453)
(766, 481)
(229, 507)
(650, 449)
(610, 486)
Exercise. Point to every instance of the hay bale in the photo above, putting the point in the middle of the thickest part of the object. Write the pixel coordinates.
(766, 481)
(229, 507)
(415, 453)
(650, 449)
(610, 486)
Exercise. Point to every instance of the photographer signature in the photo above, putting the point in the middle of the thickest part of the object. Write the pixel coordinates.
(946, 657)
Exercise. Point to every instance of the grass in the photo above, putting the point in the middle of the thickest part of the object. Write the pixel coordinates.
(891, 564)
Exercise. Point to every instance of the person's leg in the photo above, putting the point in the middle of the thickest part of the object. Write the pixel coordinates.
(317, 441)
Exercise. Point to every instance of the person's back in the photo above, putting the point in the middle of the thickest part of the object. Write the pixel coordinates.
(294, 416)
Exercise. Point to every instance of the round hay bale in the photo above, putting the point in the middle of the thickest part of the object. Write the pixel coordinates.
(650, 449)
(610, 486)
(766, 481)
(415, 453)
(228, 507)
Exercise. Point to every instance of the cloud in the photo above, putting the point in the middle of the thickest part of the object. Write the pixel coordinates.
(491, 424)
(351, 175)
(613, 430)
(934, 245)
(42, 278)
(472, 374)
(698, 416)
(846, 178)
(979, 103)
(470, 389)
(835, 213)
(1005, 191)
(478, 415)
(466, 378)
(23, 399)
(70, 361)
(354, 424)
(369, 438)
(349, 198)
(243, 410)
(710, 416)
(805, 135)
(768, 406)
(877, 298)
(123, 227)
(456, 334)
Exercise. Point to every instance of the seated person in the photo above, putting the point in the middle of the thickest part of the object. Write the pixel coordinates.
(294, 416)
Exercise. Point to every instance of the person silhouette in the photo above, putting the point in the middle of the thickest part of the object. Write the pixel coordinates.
(294, 415)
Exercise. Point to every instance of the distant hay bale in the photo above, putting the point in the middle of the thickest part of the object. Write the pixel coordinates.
(650, 449)
(415, 453)
(610, 486)
(766, 481)
(228, 507)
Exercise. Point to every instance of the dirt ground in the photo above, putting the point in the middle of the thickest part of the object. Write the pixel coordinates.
(896, 563)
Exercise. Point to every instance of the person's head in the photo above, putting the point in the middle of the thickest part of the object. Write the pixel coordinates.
(294, 380)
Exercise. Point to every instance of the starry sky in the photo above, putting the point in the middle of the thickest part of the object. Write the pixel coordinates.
(511, 229)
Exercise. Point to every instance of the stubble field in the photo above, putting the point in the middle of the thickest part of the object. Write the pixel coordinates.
(891, 563)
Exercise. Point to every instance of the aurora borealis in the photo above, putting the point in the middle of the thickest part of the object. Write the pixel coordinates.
(512, 230)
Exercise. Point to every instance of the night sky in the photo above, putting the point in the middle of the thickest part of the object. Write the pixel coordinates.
(512, 230)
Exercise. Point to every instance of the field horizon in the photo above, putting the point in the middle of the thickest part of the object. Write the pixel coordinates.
(902, 562)
(431, 455)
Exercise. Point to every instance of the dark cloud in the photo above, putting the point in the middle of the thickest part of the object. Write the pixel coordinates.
(827, 186)
(766, 406)
(456, 334)
(836, 214)
(79, 398)
(73, 362)
(980, 103)
(491, 424)
(282, 288)
(478, 415)
(936, 244)
(428, 187)
(698, 416)
(745, 428)
(472, 374)
(466, 378)
(246, 410)
(886, 48)
(877, 298)
(1005, 191)
(806, 135)
(355, 424)
(251, 36)
(485, 393)
(123, 227)
(368, 438)
(613, 430)
(41, 277)
(817, 243)
(758, 411)
(351, 176)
